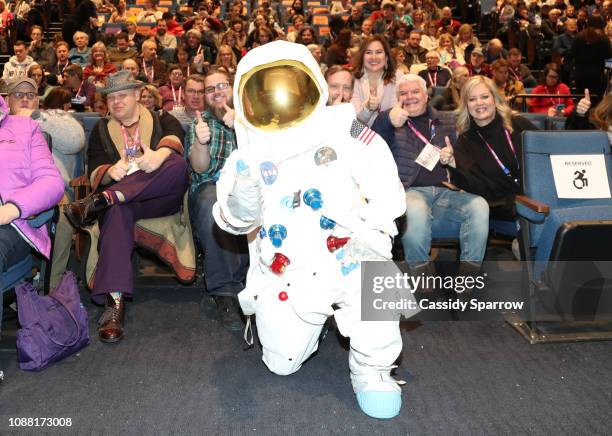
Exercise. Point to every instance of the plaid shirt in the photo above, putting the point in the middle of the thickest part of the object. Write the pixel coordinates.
(222, 143)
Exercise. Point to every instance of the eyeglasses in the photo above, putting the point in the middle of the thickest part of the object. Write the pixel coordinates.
(190, 91)
(218, 87)
(20, 95)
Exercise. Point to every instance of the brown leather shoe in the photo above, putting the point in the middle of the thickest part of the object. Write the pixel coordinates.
(111, 322)
(84, 212)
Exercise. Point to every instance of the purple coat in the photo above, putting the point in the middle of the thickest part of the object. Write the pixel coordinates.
(28, 176)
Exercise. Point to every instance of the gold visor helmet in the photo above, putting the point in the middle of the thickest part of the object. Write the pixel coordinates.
(278, 95)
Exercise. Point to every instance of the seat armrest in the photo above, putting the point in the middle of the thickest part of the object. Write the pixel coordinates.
(531, 209)
(80, 181)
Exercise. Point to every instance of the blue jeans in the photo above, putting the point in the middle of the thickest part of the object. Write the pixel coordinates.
(13, 249)
(226, 256)
(427, 206)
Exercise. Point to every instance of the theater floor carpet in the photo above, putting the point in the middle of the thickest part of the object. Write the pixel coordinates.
(179, 372)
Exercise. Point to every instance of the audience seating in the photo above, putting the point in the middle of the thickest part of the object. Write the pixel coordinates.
(561, 240)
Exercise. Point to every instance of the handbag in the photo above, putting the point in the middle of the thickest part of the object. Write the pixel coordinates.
(53, 326)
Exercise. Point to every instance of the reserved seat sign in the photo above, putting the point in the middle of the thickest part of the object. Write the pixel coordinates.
(580, 176)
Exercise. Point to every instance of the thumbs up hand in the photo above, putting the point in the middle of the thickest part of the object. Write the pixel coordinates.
(398, 115)
(230, 115)
(447, 153)
(373, 102)
(584, 104)
(202, 131)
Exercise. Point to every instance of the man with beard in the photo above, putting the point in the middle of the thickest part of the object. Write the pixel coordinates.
(164, 39)
(211, 140)
(415, 54)
(123, 51)
(41, 52)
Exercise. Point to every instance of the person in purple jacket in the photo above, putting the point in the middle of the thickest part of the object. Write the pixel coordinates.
(30, 183)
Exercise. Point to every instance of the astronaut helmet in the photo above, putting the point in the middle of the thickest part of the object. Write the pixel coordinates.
(278, 88)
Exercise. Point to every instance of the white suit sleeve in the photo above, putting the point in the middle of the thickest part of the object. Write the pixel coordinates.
(375, 171)
(222, 213)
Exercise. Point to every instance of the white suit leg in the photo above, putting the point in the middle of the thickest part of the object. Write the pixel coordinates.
(286, 339)
(375, 345)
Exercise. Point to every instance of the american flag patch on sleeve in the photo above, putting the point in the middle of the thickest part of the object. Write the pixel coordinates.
(362, 132)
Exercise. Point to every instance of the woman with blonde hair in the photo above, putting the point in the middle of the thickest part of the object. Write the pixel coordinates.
(447, 52)
(226, 58)
(465, 36)
(150, 98)
(99, 66)
(488, 151)
(429, 38)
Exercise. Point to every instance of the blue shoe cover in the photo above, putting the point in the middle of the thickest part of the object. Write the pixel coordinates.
(382, 405)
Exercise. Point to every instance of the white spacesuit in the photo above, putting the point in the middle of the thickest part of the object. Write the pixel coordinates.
(304, 172)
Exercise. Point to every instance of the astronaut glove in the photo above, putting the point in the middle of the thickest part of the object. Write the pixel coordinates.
(368, 245)
(244, 201)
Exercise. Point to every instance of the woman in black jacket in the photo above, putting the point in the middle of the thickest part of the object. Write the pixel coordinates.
(488, 152)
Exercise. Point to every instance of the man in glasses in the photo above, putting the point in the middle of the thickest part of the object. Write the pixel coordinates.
(193, 100)
(137, 171)
(68, 139)
(211, 140)
(22, 96)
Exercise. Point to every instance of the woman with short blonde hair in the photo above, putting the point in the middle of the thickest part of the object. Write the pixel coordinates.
(150, 98)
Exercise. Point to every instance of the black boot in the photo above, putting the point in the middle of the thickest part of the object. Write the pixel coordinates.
(229, 312)
(84, 212)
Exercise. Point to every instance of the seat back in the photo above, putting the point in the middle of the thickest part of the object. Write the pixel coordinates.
(538, 178)
(539, 120)
(556, 123)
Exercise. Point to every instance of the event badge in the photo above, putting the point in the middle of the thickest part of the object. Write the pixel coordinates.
(132, 167)
(429, 157)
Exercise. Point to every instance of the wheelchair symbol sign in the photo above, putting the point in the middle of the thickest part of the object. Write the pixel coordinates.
(580, 181)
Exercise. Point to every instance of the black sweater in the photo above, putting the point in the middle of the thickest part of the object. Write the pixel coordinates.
(478, 172)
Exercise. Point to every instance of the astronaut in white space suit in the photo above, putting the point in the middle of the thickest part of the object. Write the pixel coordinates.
(323, 192)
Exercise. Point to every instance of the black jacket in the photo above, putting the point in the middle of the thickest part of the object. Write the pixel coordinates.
(478, 172)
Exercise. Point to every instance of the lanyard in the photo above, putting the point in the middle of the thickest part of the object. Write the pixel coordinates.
(132, 144)
(60, 72)
(433, 81)
(199, 50)
(180, 95)
(505, 169)
(188, 70)
(420, 135)
(79, 90)
(516, 76)
(144, 67)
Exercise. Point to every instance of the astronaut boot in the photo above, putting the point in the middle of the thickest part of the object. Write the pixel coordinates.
(378, 394)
